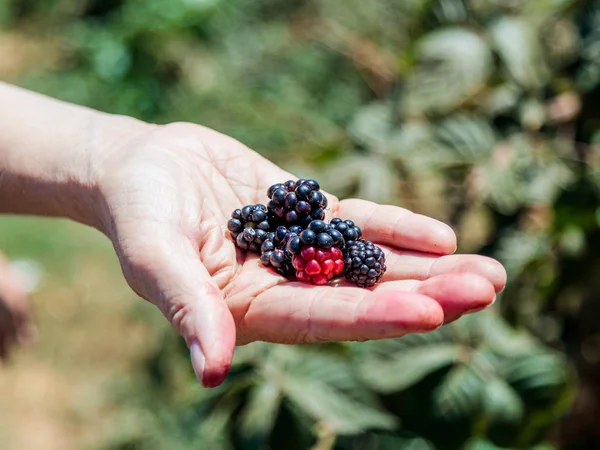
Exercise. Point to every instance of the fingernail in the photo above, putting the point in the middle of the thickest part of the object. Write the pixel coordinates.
(480, 308)
(198, 359)
(213, 380)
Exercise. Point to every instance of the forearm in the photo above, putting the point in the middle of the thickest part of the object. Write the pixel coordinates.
(48, 153)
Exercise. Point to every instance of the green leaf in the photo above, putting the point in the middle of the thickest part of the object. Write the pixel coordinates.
(471, 138)
(540, 378)
(384, 348)
(481, 444)
(504, 340)
(537, 370)
(501, 99)
(260, 412)
(454, 57)
(212, 430)
(517, 43)
(339, 411)
(501, 402)
(460, 394)
(518, 249)
(344, 174)
(401, 370)
(371, 124)
(451, 11)
(378, 181)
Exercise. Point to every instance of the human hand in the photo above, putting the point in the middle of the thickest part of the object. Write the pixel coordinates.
(16, 324)
(168, 192)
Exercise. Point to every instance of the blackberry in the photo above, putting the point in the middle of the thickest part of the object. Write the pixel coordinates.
(281, 261)
(296, 202)
(318, 234)
(276, 256)
(347, 228)
(249, 226)
(364, 263)
(316, 265)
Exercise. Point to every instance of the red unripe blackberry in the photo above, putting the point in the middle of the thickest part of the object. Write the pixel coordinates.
(317, 266)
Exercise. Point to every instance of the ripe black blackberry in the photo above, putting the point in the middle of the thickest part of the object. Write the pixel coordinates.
(364, 263)
(249, 227)
(318, 234)
(297, 202)
(274, 253)
(349, 231)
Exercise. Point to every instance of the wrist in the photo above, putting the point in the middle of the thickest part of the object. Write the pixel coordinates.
(51, 153)
(107, 137)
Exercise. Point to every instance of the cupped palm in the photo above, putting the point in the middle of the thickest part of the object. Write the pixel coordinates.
(168, 193)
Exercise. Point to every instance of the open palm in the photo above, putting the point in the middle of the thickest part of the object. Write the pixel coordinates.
(167, 195)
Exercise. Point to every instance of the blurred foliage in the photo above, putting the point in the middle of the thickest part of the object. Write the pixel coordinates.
(482, 113)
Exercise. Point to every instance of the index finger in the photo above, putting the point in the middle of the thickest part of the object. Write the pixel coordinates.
(398, 227)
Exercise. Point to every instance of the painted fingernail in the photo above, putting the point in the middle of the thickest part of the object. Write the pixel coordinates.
(198, 359)
(212, 380)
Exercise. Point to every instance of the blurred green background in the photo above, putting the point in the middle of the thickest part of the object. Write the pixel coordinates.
(482, 113)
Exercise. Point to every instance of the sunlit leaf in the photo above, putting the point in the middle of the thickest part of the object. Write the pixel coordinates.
(501, 402)
(517, 43)
(340, 412)
(503, 339)
(378, 182)
(403, 369)
(372, 124)
(260, 412)
(212, 430)
(454, 57)
(460, 393)
(471, 138)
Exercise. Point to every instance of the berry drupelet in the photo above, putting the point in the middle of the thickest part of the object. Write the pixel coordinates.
(364, 263)
(297, 202)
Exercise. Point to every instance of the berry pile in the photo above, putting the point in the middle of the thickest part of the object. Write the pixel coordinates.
(292, 237)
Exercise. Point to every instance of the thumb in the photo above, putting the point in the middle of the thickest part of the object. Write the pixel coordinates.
(168, 272)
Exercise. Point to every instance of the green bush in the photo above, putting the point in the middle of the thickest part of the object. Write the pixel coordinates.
(482, 113)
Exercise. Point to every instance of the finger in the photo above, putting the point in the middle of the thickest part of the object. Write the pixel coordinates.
(167, 271)
(456, 293)
(297, 313)
(398, 227)
(406, 265)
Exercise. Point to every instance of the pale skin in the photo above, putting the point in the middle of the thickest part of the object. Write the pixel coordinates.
(163, 193)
